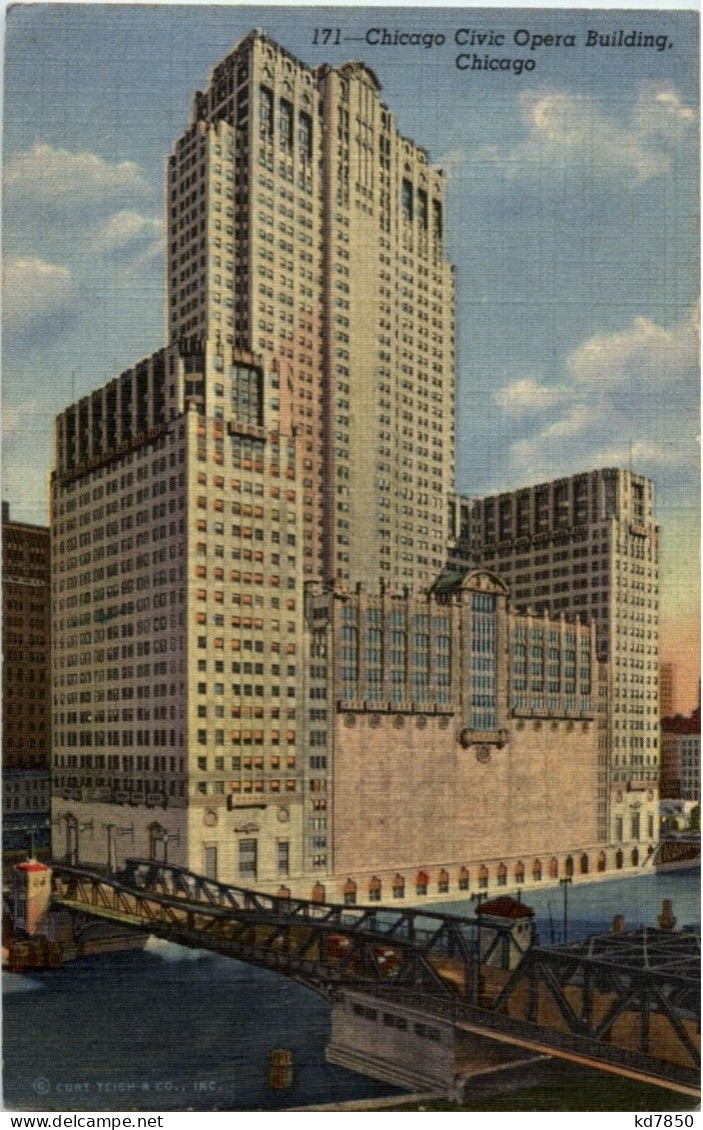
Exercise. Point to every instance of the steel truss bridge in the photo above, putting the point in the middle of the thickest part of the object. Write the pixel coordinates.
(627, 1003)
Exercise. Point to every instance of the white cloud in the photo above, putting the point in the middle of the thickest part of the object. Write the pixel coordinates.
(565, 130)
(643, 353)
(451, 162)
(632, 397)
(39, 297)
(661, 455)
(526, 395)
(44, 174)
(18, 421)
(128, 232)
(577, 420)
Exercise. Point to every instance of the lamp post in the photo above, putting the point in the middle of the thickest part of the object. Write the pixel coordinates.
(170, 837)
(565, 883)
(112, 831)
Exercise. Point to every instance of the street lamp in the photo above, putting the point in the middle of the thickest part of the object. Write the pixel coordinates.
(112, 831)
(565, 883)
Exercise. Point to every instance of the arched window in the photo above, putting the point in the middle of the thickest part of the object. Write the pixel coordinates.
(349, 892)
(443, 882)
(283, 892)
(374, 889)
(520, 872)
(318, 893)
(483, 876)
(601, 861)
(635, 857)
(618, 859)
(464, 879)
(502, 875)
(421, 881)
(584, 864)
(398, 886)
(537, 871)
(569, 867)
(553, 867)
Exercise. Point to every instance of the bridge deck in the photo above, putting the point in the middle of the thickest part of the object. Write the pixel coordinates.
(627, 1003)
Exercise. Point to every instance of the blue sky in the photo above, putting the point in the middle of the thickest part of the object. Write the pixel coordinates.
(572, 217)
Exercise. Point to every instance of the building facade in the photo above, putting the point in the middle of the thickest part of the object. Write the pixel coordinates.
(177, 619)
(26, 703)
(454, 738)
(255, 669)
(589, 545)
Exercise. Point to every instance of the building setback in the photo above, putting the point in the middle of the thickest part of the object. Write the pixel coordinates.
(589, 545)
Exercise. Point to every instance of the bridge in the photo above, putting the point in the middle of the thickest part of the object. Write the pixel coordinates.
(626, 1003)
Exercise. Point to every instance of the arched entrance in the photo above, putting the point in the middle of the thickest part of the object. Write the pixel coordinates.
(635, 857)
(584, 864)
(569, 867)
(618, 860)
(601, 861)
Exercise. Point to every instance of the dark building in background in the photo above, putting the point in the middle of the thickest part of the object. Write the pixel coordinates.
(681, 757)
(26, 700)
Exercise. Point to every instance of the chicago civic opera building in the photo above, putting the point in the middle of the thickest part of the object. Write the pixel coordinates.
(236, 517)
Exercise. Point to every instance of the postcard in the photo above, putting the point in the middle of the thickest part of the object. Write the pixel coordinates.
(351, 697)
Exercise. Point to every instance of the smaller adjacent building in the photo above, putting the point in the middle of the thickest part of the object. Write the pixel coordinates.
(681, 757)
(26, 701)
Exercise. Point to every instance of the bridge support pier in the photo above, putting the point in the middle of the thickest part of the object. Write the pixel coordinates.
(404, 1046)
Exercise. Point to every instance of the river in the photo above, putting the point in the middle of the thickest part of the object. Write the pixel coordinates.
(173, 1029)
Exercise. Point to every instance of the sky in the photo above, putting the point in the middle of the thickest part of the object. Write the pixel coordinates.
(572, 221)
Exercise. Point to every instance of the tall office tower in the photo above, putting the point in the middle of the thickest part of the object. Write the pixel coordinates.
(589, 544)
(26, 708)
(298, 425)
(177, 611)
(304, 227)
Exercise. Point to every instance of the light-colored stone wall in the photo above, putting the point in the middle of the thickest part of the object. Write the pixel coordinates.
(409, 795)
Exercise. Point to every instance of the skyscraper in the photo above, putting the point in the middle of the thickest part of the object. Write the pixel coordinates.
(298, 425)
(589, 545)
(303, 227)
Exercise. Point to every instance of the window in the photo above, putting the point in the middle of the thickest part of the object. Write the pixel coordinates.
(282, 857)
(247, 858)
